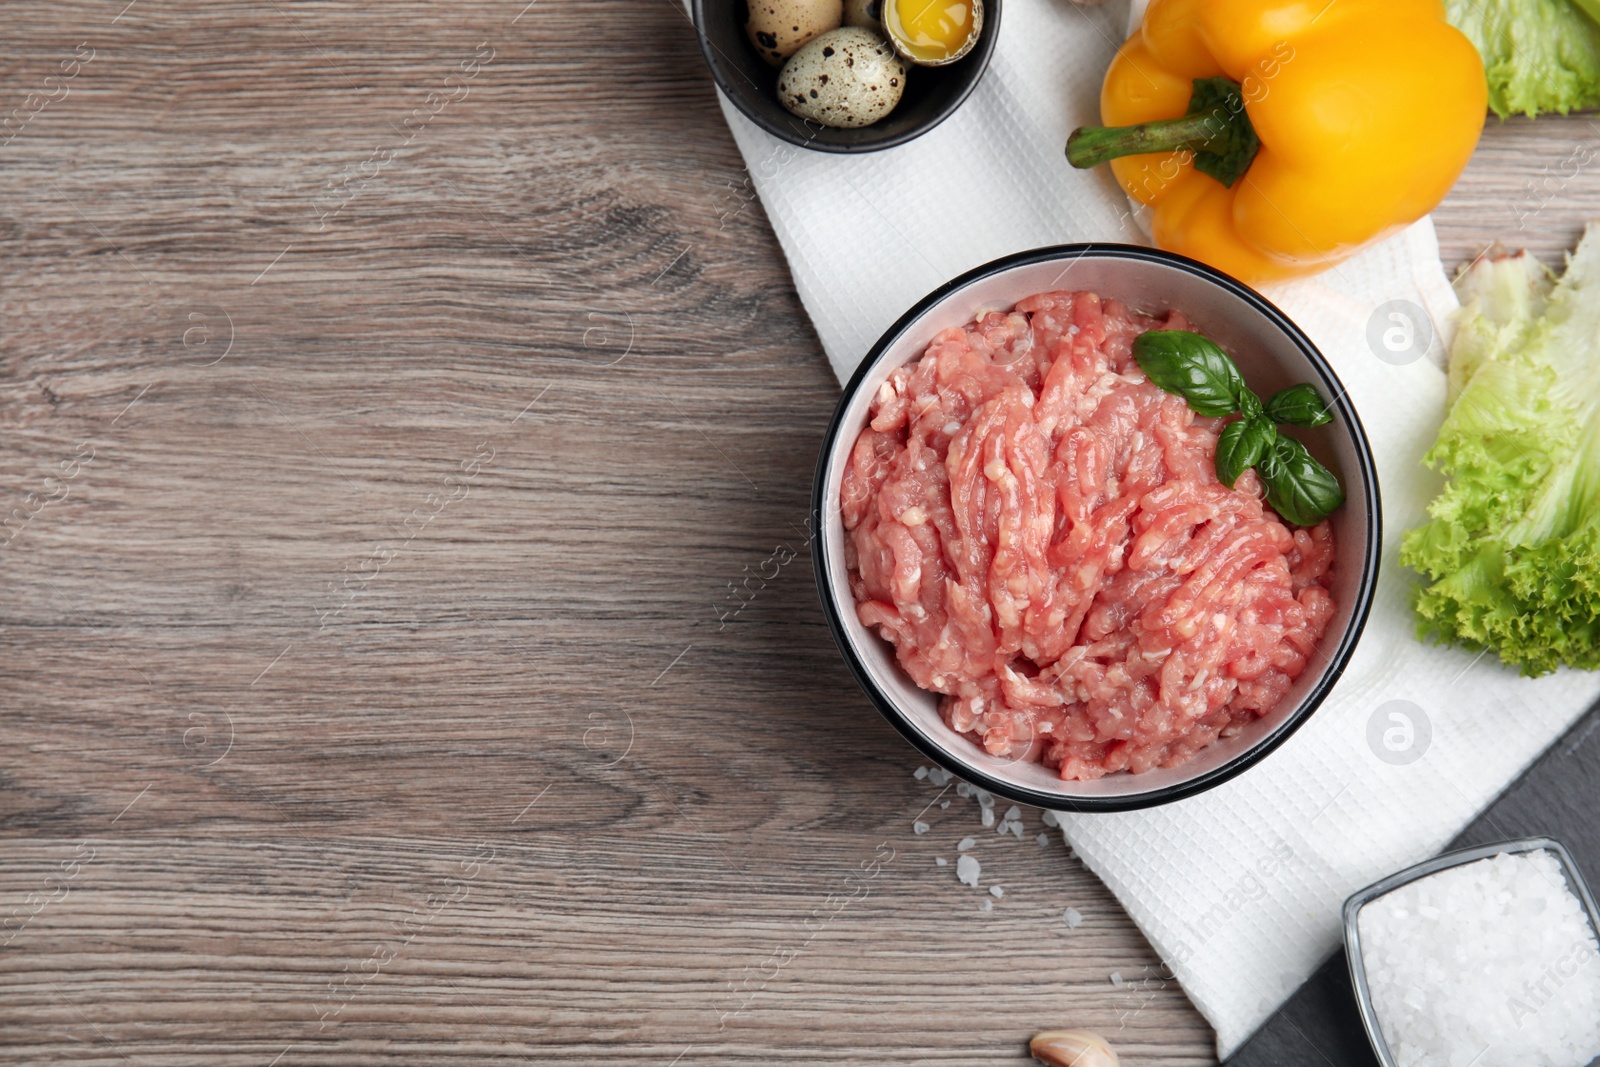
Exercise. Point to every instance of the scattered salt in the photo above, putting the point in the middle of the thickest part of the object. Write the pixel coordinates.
(988, 816)
(1493, 959)
(963, 789)
(967, 869)
(921, 773)
(1016, 830)
(1073, 918)
(996, 892)
(941, 861)
(1116, 978)
(1043, 839)
(1049, 819)
(965, 843)
(985, 798)
(919, 827)
(940, 776)
(987, 905)
(943, 804)
(1013, 814)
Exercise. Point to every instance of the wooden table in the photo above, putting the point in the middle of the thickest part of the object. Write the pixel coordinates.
(413, 655)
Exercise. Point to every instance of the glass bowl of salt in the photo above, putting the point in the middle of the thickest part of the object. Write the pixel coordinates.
(1479, 958)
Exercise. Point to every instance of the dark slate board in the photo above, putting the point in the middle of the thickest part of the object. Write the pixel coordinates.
(1558, 797)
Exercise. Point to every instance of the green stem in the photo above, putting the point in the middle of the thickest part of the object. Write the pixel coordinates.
(1090, 146)
(1216, 129)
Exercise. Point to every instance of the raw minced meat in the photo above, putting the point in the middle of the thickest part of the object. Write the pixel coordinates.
(1040, 532)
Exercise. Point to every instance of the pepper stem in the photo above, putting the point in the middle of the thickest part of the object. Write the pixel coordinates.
(1090, 146)
(1216, 129)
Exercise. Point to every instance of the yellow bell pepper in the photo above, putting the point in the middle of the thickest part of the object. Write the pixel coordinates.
(1275, 138)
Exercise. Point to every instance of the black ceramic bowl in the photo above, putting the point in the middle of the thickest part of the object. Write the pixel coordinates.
(932, 93)
(1271, 351)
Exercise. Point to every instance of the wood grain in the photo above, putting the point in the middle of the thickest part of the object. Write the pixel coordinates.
(374, 694)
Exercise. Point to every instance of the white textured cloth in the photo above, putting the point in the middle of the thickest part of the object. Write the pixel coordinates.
(1240, 888)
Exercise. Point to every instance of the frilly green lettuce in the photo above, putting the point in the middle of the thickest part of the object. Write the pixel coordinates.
(1511, 555)
(1539, 55)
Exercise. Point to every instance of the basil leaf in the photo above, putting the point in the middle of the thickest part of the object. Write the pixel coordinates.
(1193, 367)
(1250, 404)
(1241, 446)
(1300, 489)
(1299, 405)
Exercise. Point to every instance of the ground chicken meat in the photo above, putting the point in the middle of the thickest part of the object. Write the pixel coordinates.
(1040, 533)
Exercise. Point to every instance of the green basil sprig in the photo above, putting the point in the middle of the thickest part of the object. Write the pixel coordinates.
(1192, 366)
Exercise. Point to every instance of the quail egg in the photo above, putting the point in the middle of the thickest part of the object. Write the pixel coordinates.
(867, 14)
(778, 28)
(846, 78)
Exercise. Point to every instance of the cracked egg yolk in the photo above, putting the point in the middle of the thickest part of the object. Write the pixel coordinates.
(929, 30)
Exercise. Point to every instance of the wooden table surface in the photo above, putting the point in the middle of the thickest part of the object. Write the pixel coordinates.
(394, 397)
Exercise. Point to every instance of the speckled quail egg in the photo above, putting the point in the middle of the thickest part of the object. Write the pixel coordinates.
(845, 78)
(778, 28)
(867, 14)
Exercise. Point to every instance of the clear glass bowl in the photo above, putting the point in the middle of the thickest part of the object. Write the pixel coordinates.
(1353, 906)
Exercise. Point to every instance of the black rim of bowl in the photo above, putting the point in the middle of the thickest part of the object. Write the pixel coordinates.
(1336, 662)
(979, 56)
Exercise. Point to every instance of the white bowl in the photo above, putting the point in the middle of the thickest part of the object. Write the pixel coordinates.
(1271, 351)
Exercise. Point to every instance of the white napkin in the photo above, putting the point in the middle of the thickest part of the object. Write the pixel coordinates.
(1239, 889)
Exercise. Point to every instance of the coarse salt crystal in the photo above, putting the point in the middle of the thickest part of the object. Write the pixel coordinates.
(1494, 959)
(996, 892)
(943, 804)
(967, 868)
(1043, 839)
(941, 861)
(963, 789)
(987, 905)
(965, 843)
(988, 816)
(919, 827)
(1073, 918)
(1116, 978)
(985, 798)
(920, 773)
(1049, 819)
(1013, 814)
(940, 776)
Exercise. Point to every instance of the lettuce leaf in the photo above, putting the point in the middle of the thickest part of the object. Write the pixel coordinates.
(1511, 553)
(1539, 55)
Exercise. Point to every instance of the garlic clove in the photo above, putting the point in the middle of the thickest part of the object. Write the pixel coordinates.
(1072, 1048)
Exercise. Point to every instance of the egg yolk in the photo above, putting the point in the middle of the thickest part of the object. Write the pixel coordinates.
(930, 29)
